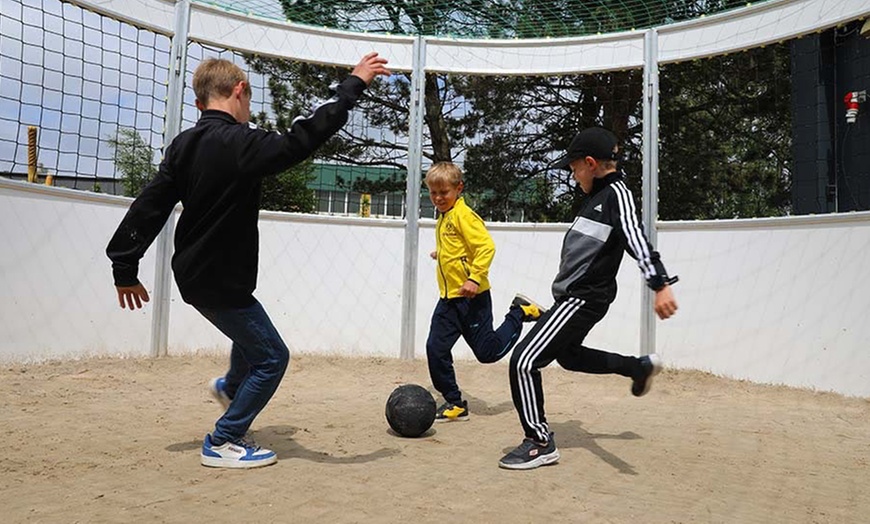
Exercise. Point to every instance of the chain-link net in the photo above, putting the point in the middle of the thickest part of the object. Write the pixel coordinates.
(757, 133)
(726, 136)
(84, 83)
(764, 132)
(754, 133)
(492, 19)
(507, 132)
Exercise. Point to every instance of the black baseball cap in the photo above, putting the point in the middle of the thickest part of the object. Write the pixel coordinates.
(597, 142)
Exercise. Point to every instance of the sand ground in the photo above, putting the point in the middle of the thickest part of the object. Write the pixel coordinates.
(117, 440)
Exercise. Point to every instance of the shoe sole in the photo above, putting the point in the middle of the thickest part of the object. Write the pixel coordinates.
(454, 419)
(215, 462)
(543, 460)
(656, 362)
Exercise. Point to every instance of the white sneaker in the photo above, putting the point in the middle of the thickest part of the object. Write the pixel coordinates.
(240, 453)
(218, 390)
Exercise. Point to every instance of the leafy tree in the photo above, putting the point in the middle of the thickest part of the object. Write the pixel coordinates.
(487, 138)
(506, 139)
(725, 149)
(725, 134)
(133, 158)
(390, 184)
(288, 191)
(530, 120)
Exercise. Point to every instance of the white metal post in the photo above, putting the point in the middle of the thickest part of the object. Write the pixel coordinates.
(650, 178)
(412, 200)
(175, 97)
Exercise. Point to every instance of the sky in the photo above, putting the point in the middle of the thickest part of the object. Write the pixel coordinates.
(78, 77)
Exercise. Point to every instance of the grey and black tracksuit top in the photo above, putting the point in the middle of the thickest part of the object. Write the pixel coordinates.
(607, 225)
(215, 169)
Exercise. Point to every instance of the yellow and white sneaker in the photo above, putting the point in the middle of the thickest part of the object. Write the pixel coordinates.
(450, 412)
(532, 311)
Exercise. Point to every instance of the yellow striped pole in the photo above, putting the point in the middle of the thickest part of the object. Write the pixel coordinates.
(365, 205)
(31, 153)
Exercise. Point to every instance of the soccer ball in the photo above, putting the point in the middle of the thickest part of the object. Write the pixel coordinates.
(410, 410)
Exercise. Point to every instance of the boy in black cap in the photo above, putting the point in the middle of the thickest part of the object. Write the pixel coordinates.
(605, 227)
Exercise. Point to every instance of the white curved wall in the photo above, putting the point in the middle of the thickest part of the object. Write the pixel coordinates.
(771, 300)
(56, 294)
(266, 37)
(756, 25)
(781, 301)
(329, 284)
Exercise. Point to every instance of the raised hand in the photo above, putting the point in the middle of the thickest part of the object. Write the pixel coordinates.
(371, 66)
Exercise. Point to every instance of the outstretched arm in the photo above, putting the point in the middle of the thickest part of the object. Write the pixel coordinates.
(269, 153)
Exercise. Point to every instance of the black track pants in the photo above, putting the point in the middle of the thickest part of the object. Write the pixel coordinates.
(558, 335)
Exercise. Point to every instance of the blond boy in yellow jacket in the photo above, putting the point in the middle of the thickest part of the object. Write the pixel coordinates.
(464, 252)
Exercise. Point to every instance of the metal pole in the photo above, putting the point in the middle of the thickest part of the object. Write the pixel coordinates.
(412, 200)
(174, 100)
(650, 178)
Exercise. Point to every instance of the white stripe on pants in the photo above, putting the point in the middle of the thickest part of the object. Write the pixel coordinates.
(529, 410)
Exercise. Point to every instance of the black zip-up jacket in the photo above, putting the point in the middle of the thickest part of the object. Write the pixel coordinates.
(215, 169)
(606, 226)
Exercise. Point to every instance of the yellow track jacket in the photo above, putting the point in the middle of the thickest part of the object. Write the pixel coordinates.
(464, 250)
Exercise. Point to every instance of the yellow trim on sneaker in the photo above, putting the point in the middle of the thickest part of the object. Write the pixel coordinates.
(453, 413)
(531, 311)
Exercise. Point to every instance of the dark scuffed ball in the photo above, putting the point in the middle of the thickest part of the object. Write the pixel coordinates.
(410, 410)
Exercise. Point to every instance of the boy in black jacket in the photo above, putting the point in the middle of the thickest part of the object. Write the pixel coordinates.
(606, 226)
(215, 169)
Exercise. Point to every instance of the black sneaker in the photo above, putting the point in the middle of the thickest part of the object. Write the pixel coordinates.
(531, 310)
(651, 365)
(531, 455)
(450, 412)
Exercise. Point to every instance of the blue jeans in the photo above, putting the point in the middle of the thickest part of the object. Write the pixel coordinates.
(258, 361)
(472, 319)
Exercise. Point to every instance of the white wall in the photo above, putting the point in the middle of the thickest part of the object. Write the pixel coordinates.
(782, 301)
(772, 300)
(329, 284)
(57, 299)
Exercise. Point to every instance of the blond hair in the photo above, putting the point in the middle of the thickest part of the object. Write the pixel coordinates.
(444, 173)
(216, 77)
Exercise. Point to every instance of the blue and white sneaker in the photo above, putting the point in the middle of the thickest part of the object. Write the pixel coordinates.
(218, 390)
(240, 453)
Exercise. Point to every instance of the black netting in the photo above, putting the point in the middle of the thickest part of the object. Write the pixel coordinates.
(79, 78)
